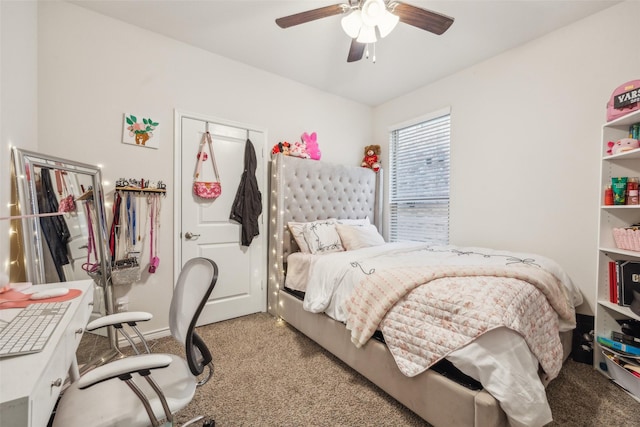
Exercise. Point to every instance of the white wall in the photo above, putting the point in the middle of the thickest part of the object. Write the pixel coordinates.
(18, 97)
(525, 139)
(92, 69)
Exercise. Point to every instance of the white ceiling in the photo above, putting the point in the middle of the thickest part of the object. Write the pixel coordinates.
(315, 53)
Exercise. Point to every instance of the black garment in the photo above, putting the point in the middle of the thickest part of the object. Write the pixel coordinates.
(54, 228)
(115, 225)
(247, 206)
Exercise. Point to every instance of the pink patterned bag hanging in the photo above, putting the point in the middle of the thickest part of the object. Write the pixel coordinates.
(206, 189)
(67, 202)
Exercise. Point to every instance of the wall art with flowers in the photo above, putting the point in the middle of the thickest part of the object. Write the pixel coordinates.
(141, 131)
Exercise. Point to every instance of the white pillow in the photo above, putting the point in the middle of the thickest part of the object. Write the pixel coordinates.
(360, 236)
(322, 237)
(364, 221)
(296, 229)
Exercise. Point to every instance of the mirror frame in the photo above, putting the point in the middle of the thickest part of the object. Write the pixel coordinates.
(24, 162)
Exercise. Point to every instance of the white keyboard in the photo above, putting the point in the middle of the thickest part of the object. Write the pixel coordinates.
(30, 330)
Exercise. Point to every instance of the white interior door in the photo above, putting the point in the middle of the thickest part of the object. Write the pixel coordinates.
(205, 226)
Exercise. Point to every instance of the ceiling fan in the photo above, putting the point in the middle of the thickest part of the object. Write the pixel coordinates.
(366, 20)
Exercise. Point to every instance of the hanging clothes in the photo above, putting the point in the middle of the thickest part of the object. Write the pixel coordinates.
(247, 205)
(54, 228)
(115, 227)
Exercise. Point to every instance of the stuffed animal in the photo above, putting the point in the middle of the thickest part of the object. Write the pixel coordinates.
(281, 147)
(299, 149)
(311, 142)
(625, 144)
(371, 153)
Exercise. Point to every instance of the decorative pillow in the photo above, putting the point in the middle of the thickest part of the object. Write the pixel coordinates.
(296, 229)
(359, 236)
(364, 221)
(322, 237)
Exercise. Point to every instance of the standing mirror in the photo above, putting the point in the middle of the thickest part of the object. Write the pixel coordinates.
(60, 233)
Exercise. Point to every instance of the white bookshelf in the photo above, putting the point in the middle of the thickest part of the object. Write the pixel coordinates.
(627, 164)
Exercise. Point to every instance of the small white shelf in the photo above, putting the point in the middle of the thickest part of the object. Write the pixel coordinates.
(620, 206)
(633, 154)
(625, 311)
(623, 252)
(624, 121)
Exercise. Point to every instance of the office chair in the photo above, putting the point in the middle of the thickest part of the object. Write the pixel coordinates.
(142, 389)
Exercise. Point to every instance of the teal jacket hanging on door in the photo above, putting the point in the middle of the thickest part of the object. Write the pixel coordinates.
(247, 206)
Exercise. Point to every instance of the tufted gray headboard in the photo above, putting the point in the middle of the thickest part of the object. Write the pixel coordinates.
(307, 190)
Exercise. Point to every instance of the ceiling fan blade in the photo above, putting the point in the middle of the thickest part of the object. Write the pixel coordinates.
(356, 51)
(422, 18)
(310, 15)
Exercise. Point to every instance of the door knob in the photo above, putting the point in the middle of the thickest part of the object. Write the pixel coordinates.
(189, 235)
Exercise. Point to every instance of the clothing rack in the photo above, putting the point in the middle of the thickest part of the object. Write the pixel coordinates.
(141, 186)
(142, 190)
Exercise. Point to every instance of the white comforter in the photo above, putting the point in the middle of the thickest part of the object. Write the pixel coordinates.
(499, 359)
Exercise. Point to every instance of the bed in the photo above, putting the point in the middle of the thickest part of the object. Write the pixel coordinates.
(465, 388)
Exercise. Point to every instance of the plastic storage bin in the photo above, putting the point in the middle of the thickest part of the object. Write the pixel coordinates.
(623, 377)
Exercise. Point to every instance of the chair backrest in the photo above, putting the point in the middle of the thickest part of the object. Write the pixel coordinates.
(193, 288)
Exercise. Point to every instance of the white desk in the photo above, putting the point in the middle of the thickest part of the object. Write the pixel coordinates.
(30, 384)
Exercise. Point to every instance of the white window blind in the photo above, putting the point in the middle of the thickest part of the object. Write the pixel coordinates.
(419, 181)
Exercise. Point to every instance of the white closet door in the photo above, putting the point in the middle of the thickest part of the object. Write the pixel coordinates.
(240, 288)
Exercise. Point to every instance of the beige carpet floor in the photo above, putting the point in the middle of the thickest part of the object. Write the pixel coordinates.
(268, 374)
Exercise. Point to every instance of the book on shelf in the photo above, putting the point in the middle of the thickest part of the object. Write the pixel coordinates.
(625, 338)
(622, 276)
(629, 274)
(615, 345)
(613, 282)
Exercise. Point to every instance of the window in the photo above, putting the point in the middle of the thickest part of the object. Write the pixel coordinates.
(419, 181)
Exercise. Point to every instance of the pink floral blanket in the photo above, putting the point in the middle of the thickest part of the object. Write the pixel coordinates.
(427, 312)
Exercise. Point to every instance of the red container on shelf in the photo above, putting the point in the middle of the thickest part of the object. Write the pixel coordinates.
(608, 195)
(632, 191)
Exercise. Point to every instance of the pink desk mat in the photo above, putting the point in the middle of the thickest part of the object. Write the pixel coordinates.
(15, 299)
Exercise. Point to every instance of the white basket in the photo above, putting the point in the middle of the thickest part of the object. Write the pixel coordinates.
(623, 377)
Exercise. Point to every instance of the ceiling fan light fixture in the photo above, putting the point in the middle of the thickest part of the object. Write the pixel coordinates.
(387, 23)
(364, 21)
(367, 34)
(351, 24)
(373, 12)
